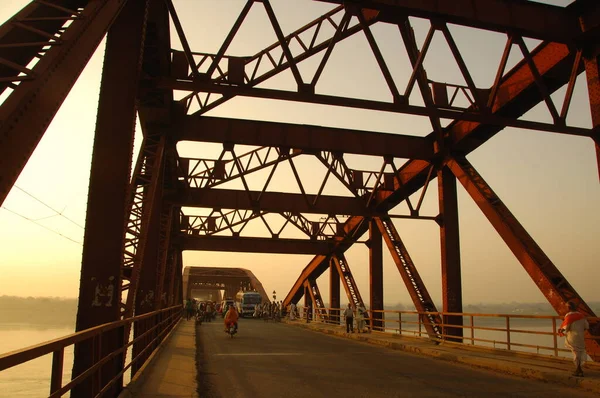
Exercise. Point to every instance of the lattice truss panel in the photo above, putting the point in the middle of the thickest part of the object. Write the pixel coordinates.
(212, 79)
(355, 187)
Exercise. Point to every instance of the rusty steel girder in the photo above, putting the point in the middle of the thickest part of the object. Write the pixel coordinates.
(25, 36)
(347, 279)
(165, 231)
(315, 296)
(100, 282)
(234, 222)
(408, 271)
(526, 18)
(254, 244)
(210, 173)
(334, 293)
(515, 93)
(540, 268)
(342, 30)
(275, 202)
(143, 288)
(592, 71)
(146, 187)
(58, 67)
(450, 250)
(540, 74)
(309, 139)
(375, 245)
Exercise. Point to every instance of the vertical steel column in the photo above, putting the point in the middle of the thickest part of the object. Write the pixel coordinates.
(376, 275)
(178, 288)
(174, 259)
(163, 276)
(169, 277)
(450, 245)
(334, 291)
(145, 300)
(592, 72)
(99, 294)
(307, 302)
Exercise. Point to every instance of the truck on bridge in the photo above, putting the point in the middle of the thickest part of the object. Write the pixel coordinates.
(245, 301)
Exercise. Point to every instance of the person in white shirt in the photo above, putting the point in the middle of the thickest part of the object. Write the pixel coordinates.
(349, 314)
(573, 328)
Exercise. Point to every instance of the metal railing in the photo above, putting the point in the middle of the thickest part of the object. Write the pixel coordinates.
(524, 333)
(162, 320)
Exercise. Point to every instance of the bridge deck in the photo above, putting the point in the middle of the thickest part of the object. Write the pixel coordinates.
(276, 359)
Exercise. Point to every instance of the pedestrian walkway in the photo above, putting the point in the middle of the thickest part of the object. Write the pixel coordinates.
(546, 368)
(171, 371)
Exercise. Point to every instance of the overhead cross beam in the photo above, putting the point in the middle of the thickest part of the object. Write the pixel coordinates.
(400, 107)
(305, 137)
(526, 18)
(253, 245)
(270, 201)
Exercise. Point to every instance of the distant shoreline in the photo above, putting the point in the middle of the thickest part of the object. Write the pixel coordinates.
(62, 312)
(38, 311)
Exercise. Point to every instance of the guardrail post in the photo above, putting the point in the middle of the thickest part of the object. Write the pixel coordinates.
(400, 323)
(444, 319)
(57, 370)
(472, 331)
(508, 333)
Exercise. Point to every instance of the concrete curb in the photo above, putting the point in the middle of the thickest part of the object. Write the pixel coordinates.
(504, 364)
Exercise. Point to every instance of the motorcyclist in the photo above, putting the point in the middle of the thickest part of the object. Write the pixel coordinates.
(231, 318)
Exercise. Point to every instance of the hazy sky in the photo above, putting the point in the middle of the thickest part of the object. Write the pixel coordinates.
(549, 181)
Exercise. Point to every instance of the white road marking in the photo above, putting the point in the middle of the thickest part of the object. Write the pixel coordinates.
(245, 354)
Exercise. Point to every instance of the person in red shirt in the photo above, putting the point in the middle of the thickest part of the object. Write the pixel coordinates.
(231, 318)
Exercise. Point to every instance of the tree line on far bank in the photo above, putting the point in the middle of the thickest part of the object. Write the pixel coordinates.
(47, 311)
(58, 311)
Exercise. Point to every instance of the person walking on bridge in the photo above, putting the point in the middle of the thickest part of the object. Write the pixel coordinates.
(189, 309)
(573, 328)
(349, 314)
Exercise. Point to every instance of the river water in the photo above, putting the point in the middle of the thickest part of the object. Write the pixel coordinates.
(31, 379)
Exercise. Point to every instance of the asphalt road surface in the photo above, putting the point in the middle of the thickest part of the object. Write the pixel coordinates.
(268, 359)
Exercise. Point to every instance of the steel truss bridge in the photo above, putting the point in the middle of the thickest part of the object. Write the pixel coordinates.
(138, 219)
(215, 279)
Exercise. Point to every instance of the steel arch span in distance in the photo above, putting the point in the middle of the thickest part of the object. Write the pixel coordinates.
(230, 280)
(180, 82)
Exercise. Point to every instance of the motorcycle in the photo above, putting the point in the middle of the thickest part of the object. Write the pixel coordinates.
(231, 330)
(199, 317)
